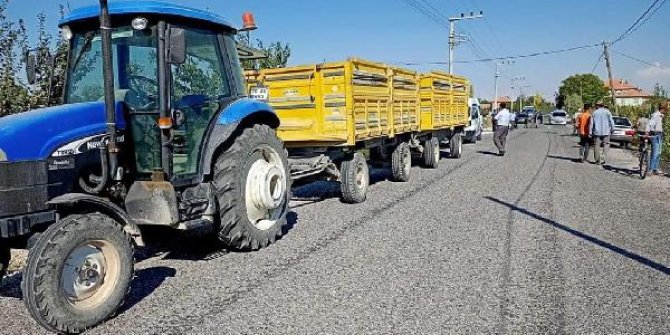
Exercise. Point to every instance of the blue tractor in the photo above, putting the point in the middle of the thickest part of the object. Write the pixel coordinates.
(155, 129)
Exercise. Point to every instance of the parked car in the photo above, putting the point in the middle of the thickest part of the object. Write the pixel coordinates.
(522, 118)
(623, 131)
(558, 117)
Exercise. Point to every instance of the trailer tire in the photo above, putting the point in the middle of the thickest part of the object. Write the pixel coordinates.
(431, 153)
(78, 273)
(5, 256)
(252, 186)
(355, 179)
(456, 146)
(401, 163)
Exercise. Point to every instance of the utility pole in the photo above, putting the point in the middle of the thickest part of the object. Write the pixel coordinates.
(495, 82)
(609, 74)
(455, 39)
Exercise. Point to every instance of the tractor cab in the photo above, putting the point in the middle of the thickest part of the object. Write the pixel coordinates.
(200, 76)
(155, 129)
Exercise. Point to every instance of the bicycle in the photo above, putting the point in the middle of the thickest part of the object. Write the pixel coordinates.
(645, 154)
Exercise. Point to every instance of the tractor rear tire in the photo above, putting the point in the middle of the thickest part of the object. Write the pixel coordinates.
(5, 256)
(431, 153)
(355, 179)
(401, 163)
(252, 187)
(78, 273)
(456, 146)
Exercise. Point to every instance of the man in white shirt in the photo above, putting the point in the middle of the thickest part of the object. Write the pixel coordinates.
(655, 129)
(503, 119)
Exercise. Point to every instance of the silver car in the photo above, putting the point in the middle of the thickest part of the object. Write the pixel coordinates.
(623, 131)
(558, 117)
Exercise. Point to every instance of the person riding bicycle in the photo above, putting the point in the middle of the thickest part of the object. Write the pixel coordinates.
(655, 130)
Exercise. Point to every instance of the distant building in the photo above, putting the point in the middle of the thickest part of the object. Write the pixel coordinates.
(628, 95)
(487, 106)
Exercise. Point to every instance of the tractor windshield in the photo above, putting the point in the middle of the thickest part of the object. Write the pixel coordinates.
(134, 62)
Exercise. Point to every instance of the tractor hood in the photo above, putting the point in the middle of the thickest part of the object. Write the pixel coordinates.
(35, 134)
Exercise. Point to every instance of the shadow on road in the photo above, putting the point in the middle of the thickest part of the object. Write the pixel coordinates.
(622, 171)
(11, 287)
(571, 159)
(146, 281)
(491, 153)
(317, 191)
(623, 252)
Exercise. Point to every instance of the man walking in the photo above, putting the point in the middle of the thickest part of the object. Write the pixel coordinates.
(602, 127)
(582, 124)
(655, 130)
(502, 118)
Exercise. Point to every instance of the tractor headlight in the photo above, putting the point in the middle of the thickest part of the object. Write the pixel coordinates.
(3, 156)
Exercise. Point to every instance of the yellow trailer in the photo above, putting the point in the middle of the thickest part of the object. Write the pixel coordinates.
(444, 106)
(336, 117)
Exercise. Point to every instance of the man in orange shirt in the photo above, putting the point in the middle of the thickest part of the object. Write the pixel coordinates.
(583, 128)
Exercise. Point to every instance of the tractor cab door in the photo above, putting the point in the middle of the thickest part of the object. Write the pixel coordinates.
(200, 89)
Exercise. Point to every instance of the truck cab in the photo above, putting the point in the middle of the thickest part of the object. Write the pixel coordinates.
(155, 129)
(473, 132)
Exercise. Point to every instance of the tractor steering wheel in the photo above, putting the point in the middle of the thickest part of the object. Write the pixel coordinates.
(140, 96)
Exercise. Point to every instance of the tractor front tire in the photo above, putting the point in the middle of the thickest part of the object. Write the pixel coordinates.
(456, 146)
(431, 153)
(78, 273)
(355, 179)
(401, 163)
(252, 186)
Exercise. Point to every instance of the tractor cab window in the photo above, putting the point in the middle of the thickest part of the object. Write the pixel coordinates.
(198, 86)
(134, 63)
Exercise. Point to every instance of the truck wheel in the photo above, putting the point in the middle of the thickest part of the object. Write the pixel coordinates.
(355, 179)
(401, 162)
(252, 185)
(5, 257)
(456, 146)
(78, 273)
(431, 153)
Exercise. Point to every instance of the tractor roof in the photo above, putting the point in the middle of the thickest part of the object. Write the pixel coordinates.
(145, 7)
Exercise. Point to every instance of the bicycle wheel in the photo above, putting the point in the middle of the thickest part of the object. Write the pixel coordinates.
(644, 164)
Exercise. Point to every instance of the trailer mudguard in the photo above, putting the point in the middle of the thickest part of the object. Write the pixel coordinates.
(240, 113)
(102, 205)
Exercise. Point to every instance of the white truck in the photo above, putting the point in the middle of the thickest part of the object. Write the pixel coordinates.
(473, 132)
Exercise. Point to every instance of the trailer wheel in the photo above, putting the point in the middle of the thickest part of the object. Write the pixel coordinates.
(78, 273)
(456, 146)
(355, 179)
(431, 153)
(252, 185)
(5, 257)
(401, 162)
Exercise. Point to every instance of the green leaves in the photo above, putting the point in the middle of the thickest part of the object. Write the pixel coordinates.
(587, 86)
(15, 94)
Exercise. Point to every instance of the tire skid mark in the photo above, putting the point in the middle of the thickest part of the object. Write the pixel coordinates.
(504, 311)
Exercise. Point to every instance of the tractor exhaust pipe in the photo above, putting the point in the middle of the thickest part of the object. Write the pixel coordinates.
(108, 82)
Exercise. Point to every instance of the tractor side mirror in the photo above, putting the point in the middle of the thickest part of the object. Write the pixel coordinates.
(31, 67)
(177, 46)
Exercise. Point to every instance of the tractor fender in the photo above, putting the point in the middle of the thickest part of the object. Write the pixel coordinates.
(240, 114)
(92, 203)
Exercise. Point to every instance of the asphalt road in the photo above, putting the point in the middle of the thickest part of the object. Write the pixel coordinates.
(532, 242)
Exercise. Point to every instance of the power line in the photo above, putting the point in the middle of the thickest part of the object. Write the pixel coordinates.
(425, 11)
(635, 26)
(600, 59)
(648, 17)
(642, 61)
(534, 54)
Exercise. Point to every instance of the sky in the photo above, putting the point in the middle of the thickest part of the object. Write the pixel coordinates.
(393, 32)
